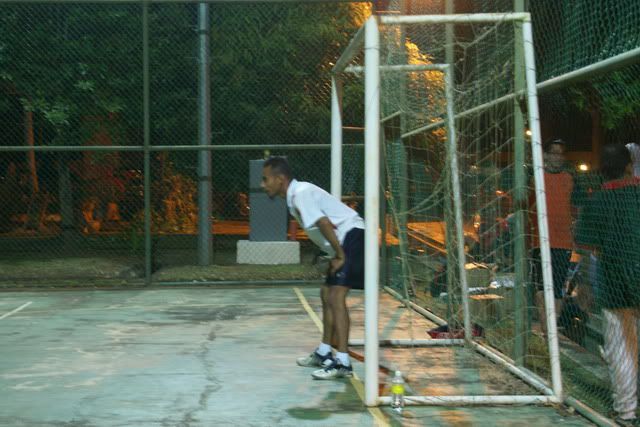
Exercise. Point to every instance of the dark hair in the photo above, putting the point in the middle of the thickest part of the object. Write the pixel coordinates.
(279, 166)
(546, 147)
(614, 160)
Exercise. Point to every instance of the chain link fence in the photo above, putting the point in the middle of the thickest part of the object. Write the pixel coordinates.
(587, 71)
(72, 85)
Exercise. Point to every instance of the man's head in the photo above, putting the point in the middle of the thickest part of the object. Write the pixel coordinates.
(615, 161)
(276, 175)
(554, 151)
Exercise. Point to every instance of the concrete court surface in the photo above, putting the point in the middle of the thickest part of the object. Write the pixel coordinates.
(197, 357)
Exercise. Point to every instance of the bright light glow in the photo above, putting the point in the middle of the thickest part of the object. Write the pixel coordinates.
(583, 167)
(527, 132)
(476, 221)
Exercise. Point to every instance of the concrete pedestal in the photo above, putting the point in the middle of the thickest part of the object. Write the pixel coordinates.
(268, 252)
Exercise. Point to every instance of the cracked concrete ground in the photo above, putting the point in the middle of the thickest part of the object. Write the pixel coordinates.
(208, 357)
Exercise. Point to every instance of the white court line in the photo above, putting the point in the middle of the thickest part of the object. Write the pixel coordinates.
(378, 415)
(25, 305)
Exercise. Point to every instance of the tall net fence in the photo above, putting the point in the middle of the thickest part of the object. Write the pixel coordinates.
(595, 107)
(72, 77)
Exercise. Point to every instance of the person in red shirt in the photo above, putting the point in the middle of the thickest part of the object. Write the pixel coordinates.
(558, 183)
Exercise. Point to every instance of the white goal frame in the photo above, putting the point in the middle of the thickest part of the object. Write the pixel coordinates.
(368, 38)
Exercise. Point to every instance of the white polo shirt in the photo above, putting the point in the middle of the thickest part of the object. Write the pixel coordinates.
(308, 203)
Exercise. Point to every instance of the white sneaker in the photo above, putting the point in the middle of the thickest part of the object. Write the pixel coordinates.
(335, 370)
(314, 360)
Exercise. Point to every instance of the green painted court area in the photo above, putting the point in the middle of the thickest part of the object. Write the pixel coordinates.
(217, 357)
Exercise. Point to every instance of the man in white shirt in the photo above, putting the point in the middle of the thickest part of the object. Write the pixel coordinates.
(339, 231)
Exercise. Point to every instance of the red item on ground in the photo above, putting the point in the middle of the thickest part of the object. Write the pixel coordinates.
(443, 332)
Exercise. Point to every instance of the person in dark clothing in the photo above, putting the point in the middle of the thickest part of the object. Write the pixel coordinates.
(610, 225)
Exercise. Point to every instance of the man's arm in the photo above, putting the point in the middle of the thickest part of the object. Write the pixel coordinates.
(326, 228)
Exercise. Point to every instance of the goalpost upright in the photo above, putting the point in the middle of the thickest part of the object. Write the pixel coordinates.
(368, 39)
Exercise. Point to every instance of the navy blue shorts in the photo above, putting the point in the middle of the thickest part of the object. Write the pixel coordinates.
(352, 272)
(560, 263)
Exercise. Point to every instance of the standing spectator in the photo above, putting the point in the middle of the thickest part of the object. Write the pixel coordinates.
(610, 224)
(558, 183)
(586, 272)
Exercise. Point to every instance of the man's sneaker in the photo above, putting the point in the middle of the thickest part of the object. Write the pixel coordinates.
(314, 360)
(632, 422)
(335, 370)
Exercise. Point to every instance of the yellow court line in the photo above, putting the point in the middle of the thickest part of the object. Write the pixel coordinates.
(378, 415)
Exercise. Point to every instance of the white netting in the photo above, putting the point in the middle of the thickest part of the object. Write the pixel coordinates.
(420, 257)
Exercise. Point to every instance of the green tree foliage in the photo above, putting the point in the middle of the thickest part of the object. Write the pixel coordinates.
(617, 96)
(60, 61)
(79, 68)
(572, 35)
(270, 69)
(271, 65)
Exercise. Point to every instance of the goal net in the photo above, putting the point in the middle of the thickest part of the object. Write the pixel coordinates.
(461, 198)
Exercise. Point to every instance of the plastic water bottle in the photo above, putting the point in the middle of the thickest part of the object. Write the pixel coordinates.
(397, 392)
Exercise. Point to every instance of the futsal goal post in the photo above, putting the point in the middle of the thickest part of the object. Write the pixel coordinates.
(459, 89)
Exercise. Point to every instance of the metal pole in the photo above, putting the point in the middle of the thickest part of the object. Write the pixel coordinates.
(454, 18)
(356, 69)
(541, 203)
(353, 48)
(520, 199)
(452, 148)
(205, 241)
(336, 137)
(450, 223)
(157, 148)
(590, 71)
(400, 157)
(449, 9)
(384, 249)
(147, 143)
(401, 189)
(472, 400)
(372, 201)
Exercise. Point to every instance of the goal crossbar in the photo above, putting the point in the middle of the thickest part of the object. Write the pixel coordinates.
(461, 18)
